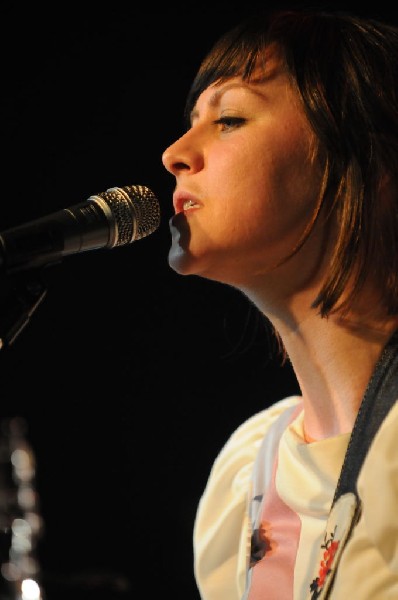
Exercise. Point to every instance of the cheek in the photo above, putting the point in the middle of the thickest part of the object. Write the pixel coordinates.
(229, 186)
(264, 187)
(275, 195)
(288, 180)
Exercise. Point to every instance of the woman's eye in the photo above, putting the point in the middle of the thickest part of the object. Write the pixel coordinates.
(229, 122)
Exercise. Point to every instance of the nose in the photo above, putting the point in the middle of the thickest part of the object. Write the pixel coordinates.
(181, 156)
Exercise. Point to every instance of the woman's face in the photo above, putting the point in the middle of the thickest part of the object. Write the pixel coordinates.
(246, 186)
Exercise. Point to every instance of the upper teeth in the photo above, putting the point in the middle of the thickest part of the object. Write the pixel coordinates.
(188, 204)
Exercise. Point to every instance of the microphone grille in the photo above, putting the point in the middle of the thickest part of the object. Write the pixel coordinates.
(147, 209)
(136, 211)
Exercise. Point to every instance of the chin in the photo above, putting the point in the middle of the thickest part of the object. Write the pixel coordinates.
(181, 262)
(184, 263)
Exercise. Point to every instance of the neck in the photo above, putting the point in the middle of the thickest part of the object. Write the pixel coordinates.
(333, 364)
(333, 359)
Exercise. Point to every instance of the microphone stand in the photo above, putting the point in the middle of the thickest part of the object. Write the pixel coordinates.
(20, 522)
(20, 295)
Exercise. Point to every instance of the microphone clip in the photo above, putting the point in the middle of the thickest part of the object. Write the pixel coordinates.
(20, 296)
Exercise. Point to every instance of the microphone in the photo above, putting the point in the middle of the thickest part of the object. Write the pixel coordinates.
(119, 216)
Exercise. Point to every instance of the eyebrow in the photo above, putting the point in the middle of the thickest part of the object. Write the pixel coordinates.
(216, 95)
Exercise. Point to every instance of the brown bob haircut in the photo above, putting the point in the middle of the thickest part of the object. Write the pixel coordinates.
(345, 68)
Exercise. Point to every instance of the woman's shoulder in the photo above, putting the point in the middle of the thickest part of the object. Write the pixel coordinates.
(373, 546)
(383, 449)
(243, 444)
(378, 488)
(256, 426)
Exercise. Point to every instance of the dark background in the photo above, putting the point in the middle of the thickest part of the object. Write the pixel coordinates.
(129, 377)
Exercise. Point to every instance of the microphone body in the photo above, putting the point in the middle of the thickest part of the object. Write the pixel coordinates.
(113, 218)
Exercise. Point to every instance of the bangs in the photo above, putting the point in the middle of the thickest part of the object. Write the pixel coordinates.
(239, 53)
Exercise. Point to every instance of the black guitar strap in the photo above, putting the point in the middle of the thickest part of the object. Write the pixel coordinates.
(380, 395)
